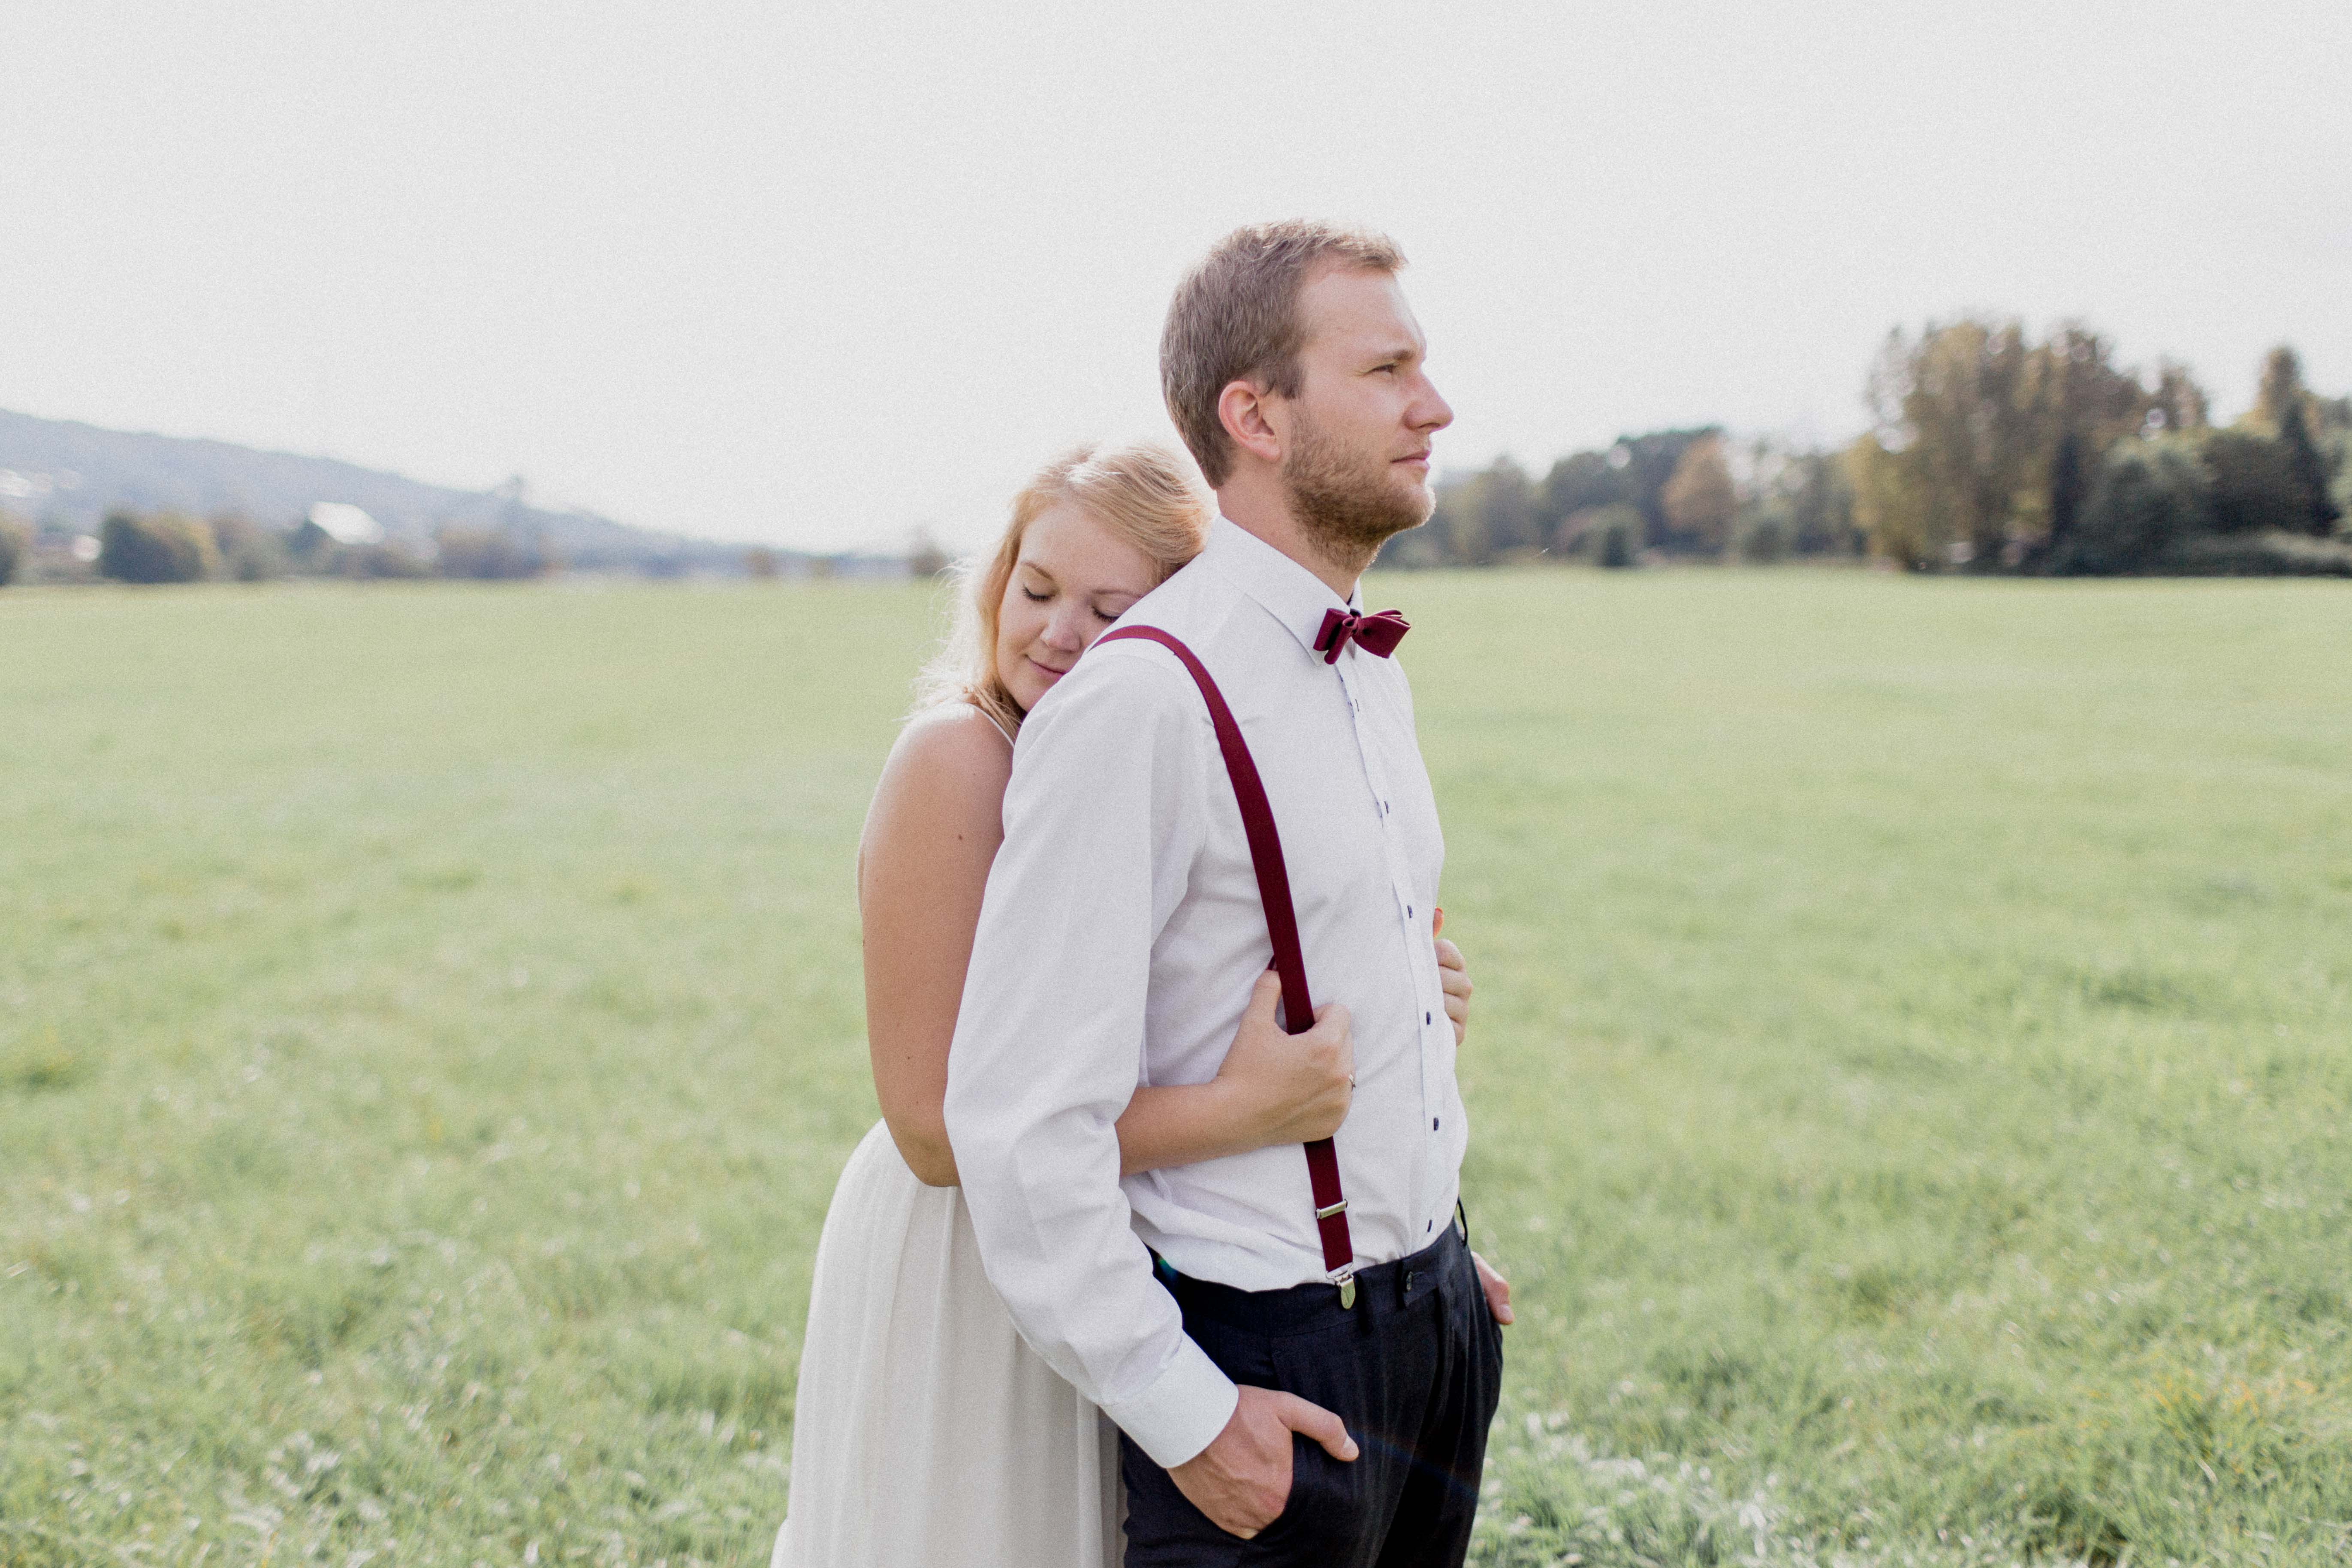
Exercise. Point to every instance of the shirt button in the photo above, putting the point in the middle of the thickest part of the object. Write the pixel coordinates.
(1433, 1124)
(1428, 1018)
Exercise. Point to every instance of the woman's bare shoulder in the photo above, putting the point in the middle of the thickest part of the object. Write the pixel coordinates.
(950, 760)
(954, 739)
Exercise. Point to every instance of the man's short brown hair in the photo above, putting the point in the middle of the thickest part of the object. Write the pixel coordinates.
(1235, 318)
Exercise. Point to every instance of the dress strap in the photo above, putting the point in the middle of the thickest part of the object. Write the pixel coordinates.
(1282, 929)
(992, 722)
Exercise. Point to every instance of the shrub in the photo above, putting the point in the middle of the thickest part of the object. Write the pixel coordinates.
(925, 558)
(1764, 540)
(375, 561)
(2149, 496)
(261, 559)
(2255, 485)
(312, 548)
(13, 545)
(161, 547)
(488, 554)
(1617, 546)
(1607, 534)
(2273, 552)
(249, 551)
(1415, 550)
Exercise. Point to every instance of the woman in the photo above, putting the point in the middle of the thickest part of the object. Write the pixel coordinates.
(925, 1431)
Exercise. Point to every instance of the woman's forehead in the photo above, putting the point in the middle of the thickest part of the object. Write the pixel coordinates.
(1068, 542)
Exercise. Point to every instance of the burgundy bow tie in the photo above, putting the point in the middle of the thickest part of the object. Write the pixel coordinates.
(1376, 634)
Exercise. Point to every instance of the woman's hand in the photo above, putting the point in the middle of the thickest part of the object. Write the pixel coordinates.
(1453, 974)
(1497, 1289)
(1290, 1088)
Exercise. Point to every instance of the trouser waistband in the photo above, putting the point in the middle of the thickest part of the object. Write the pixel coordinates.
(1381, 1290)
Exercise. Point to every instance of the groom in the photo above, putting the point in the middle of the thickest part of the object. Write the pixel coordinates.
(1123, 930)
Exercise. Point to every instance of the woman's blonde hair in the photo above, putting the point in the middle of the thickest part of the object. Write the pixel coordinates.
(1143, 493)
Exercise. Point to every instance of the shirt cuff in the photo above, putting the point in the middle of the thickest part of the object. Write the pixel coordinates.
(1182, 1411)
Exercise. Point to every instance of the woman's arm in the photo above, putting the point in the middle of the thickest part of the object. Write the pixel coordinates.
(1272, 1088)
(933, 829)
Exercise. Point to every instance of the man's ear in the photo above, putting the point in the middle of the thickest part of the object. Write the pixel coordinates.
(1244, 409)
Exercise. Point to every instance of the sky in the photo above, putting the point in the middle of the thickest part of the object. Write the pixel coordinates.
(823, 275)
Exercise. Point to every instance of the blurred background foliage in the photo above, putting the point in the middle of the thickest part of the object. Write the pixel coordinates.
(1988, 451)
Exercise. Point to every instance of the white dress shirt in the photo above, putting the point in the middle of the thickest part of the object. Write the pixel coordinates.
(1117, 945)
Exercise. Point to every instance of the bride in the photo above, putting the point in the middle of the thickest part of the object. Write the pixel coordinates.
(925, 1434)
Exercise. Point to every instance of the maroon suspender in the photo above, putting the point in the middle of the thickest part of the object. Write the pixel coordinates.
(1282, 926)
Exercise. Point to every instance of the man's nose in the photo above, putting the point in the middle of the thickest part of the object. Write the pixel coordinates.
(1432, 411)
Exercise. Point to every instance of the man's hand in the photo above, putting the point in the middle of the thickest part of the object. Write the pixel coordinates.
(1498, 1289)
(1242, 1480)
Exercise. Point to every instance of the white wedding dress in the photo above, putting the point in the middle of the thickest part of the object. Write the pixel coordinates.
(927, 1433)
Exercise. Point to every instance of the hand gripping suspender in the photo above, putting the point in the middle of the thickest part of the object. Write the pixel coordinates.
(1282, 926)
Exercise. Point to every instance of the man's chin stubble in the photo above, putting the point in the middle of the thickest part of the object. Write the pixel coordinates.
(1350, 523)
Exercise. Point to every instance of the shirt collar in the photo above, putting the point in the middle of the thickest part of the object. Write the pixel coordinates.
(1288, 592)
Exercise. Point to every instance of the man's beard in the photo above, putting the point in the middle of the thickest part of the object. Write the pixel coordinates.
(1347, 504)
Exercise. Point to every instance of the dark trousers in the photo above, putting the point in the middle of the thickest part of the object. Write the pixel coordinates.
(1415, 1368)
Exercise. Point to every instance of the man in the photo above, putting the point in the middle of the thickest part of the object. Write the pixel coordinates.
(1122, 932)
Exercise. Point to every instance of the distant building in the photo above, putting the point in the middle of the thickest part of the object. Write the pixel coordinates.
(345, 523)
(20, 485)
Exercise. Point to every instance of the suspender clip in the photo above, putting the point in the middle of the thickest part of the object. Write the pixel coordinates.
(1330, 1209)
(1346, 1279)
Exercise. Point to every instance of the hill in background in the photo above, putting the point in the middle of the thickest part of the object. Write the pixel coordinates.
(64, 477)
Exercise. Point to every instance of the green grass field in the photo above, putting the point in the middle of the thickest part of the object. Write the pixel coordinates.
(1910, 1064)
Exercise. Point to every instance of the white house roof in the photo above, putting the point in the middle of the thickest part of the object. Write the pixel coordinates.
(345, 523)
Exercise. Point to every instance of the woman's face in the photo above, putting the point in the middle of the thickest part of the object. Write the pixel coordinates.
(1073, 578)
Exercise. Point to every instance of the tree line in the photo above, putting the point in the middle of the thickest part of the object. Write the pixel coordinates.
(1988, 451)
(1689, 494)
(156, 547)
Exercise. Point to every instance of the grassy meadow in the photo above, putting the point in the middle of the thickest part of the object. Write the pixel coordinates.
(1909, 1067)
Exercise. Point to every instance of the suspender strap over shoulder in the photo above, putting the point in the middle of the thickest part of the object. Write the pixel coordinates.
(1282, 927)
